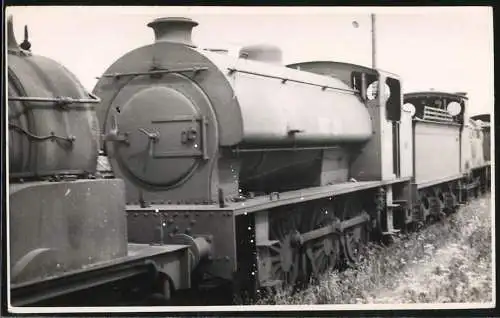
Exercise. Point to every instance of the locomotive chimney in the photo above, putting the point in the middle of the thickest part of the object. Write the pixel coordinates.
(173, 30)
(262, 53)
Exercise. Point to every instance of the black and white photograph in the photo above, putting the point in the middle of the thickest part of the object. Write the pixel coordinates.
(198, 159)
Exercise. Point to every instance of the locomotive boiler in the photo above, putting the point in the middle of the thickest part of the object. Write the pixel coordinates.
(183, 124)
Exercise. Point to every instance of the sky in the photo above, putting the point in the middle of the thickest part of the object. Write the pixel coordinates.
(441, 48)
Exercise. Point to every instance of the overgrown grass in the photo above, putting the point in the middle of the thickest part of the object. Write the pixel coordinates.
(449, 261)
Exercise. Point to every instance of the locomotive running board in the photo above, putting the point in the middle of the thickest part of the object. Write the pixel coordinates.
(142, 259)
(426, 184)
(290, 197)
(265, 202)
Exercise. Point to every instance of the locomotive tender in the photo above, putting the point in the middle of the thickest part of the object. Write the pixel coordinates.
(235, 169)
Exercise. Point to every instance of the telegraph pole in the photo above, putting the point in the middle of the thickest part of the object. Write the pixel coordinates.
(355, 24)
(374, 43)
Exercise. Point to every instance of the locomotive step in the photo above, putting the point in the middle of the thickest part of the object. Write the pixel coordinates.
(267, 243)
(393, 205)
(400, 202)
(468, 186)
(391, 232)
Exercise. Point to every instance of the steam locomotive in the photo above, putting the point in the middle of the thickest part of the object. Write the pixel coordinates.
(222, 169)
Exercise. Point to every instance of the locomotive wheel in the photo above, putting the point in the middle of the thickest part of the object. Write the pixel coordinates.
(354, 239)
(425, 206)
(285, 256)
(377, 213)
(477, 190)
(322, 253)
(285, 261)
(438, 196)
(451, 200)
(483, 185)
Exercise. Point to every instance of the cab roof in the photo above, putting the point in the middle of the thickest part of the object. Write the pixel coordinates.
(352, 66)
(435, 94)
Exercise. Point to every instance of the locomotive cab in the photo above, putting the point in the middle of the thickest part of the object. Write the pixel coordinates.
(438, 120)
(438, 106)
(448, 151)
